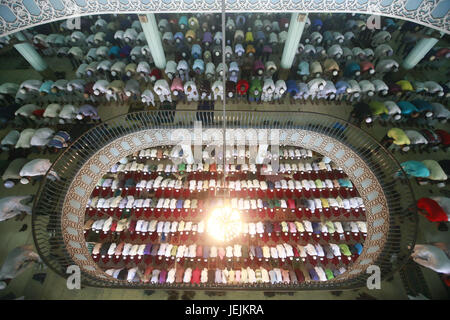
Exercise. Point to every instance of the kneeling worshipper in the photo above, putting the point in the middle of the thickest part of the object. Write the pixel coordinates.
(88, 111)
(34, 168)
(10, 140)
(60, 140)
(68, 114)
(52, 112)
(435, 209)
(41, 137)
(16, 262)
(414, 169)
(26, 112)
(15, 205)
(433, 256)
(416, 138)
(398, 137)
(25, 139)
(436, 172)
(12, 172)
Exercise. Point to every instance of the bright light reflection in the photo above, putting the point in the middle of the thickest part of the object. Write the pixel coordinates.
(224, 224)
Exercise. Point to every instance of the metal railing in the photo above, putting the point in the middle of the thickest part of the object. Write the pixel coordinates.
(400, 240)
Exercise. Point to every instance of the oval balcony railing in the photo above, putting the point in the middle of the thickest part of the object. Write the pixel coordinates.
(401, 218)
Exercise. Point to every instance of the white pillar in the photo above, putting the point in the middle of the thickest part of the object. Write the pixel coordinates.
(32, 56)
(150, 28)
(418, 52)
(295, 31)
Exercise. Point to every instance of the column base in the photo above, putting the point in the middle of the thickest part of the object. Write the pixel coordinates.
(48, 74)
(283, 74)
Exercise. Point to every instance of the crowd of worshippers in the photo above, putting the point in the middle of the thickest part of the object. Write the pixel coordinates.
(414, 112)
(120, 207)
(113, 62)
(244, 276)
(322, 262)
(416, 140)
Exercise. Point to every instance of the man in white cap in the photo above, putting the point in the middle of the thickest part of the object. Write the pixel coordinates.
(129, 36)
(136, 53)
(76, 55)
(51, 112)
(217, 89)
(354, 91)
(104, 67)
(115, 91)
(328, 92)
(335, 52)
(433, 256)
(91, 70)
(99, 38)
(440, 112)
(433, 88)
(78, 38)
(210, 71)
(91, 56)
(25, 112)
(387, 65)
(68, 113)
(130, 70)
(380, 38)
(118, 69)
(41, 137)
(100, 89)
(316, 85)
(25, 138)
(162, 89)
(268, 90)
(280, 89)
(367, 88)
(132, 89)
(143, 68)
(148, 97)
(88, 111)
(171, 69)
(102, 52)
(394, 110)
(183, 69)
(81, 71)
(75, 89)
(10, 140)
(30, 86)
(380, 87)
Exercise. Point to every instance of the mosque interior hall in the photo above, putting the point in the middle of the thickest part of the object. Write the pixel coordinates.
(224, 154)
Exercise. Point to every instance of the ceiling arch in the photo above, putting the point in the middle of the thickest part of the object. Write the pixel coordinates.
(16, 15)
